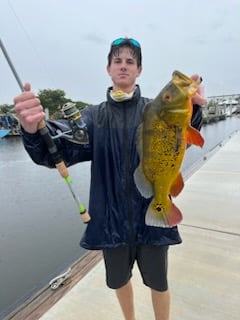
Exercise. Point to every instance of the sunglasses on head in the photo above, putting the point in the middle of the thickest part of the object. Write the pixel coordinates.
(120, 41)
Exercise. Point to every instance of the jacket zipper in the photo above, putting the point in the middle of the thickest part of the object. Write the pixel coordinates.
(127, 179)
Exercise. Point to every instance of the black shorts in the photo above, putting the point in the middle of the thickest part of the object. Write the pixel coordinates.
(151, 261)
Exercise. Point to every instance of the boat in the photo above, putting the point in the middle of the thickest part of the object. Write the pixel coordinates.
(9, 122)
(229, 106)
(4, 132)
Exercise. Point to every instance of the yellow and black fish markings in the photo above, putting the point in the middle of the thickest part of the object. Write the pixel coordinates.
(161, 142)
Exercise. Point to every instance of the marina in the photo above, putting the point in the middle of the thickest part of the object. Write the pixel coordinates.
(40, 239)
(221, 107)
(9, 124)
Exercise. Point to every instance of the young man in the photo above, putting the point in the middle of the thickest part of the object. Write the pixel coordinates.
(116, 207)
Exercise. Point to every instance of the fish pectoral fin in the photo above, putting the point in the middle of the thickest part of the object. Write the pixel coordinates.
(162, 217)
(194, 137)
(177, 185)
(143, 185)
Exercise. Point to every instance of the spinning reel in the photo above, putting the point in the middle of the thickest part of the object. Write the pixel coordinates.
(78, 133)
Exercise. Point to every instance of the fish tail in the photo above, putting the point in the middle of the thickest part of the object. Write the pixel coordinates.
(160, 216)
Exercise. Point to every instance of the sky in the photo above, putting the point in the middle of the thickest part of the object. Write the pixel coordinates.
(63, 44)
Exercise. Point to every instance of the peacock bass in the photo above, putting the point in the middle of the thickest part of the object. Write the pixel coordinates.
(162, 139)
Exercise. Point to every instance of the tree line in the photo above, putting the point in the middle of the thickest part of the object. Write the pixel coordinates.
(51, 100)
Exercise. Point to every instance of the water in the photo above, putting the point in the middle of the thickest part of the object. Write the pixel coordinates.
(40, 227)
(213, 133)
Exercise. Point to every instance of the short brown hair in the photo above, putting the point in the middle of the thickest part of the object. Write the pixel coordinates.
(128, 43)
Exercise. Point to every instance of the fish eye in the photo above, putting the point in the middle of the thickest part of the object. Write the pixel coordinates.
(166, 97)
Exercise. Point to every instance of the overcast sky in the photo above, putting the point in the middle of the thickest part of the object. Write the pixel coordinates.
(63, 44)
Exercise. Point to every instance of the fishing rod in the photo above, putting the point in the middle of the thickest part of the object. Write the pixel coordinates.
(73, 114)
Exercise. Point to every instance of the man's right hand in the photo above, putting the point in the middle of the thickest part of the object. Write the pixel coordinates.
(29, 110)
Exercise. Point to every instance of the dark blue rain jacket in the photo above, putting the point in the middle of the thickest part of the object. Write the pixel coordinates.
(116, 207)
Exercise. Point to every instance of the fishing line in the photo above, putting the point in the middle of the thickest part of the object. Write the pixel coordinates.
(41, 62)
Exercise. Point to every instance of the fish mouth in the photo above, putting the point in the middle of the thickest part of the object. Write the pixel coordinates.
(184, 83)
(180, 75)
